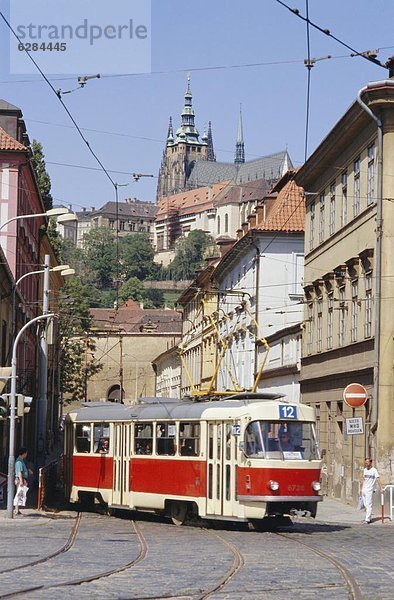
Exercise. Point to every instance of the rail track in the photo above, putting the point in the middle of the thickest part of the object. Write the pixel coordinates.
(238, 563)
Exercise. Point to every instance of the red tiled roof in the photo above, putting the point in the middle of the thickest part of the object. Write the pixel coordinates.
(189, 202)
(287, 211)
(7, 142)
(132, 318)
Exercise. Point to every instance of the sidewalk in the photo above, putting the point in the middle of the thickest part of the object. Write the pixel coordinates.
(335, 511)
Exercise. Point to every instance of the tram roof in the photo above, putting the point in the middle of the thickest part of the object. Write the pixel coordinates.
(165, 409)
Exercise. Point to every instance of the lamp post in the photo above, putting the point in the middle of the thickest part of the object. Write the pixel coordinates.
(11, 458)
(52, 212)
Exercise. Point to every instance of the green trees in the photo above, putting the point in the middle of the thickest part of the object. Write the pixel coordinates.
(43, 179)
(189, 255)
(99, 256)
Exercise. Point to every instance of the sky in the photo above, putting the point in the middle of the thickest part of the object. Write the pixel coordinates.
(130, 113)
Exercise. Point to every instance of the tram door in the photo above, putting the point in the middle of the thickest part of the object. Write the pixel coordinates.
(221, 484)
(69, 451)
(121, 480)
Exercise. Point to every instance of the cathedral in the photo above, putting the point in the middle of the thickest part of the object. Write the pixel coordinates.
(190, 162)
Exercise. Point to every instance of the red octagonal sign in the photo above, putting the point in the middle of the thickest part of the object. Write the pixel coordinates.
(355, 395)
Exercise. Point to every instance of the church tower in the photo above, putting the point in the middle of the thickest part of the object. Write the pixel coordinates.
(182, 151)
(240, 145)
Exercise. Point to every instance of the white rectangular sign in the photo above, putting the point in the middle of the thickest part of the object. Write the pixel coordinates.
(354, 426)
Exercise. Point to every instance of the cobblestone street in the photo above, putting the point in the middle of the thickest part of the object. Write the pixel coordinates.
(155, 559)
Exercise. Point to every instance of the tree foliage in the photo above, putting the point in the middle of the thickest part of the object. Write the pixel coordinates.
(43, 179)
(76, 345)
(189, 255)
(99, 256)
(136, 255)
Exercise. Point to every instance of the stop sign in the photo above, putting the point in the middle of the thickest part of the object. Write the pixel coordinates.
(355, 395)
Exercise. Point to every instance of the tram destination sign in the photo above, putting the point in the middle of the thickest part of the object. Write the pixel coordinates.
(354, 426)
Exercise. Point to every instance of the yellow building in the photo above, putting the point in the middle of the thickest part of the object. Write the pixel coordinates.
(349, 287)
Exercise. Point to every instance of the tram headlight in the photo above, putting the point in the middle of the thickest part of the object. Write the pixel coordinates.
(273, 485)
(316, 486)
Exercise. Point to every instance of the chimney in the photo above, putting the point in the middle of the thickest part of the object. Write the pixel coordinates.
(390, 65)
(260, 213)
(245, 228)
(70, 207)
(239, 234)
(92, 209)
(252, 220)
(225, 244)
(84, 209)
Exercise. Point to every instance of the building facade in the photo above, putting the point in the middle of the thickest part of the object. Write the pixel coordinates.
(127, 340)
(349, 286)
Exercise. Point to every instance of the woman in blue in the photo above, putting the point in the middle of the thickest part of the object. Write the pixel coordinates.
(21, 475)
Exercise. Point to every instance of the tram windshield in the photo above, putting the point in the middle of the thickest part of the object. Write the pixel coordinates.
(281, 440)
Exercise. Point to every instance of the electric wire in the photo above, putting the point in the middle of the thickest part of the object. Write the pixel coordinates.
(328, 33)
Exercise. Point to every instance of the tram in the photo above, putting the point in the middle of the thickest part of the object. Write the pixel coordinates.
(245, 458)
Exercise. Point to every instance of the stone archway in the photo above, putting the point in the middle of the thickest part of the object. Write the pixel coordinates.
(113, 394)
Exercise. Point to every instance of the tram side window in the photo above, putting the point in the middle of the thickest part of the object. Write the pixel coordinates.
(83, 434)
(189, 439)
(165, 439)
(143, 438)
(101, 438)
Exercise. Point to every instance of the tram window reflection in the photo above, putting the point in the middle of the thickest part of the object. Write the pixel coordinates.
(189, 439)
(143, 438)
(100, 433)
(83, 434)
(165, 439)
(281, 440)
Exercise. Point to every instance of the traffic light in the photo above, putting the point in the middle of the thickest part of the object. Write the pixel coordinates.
(3, 407)
(5, 374)
(23, 404)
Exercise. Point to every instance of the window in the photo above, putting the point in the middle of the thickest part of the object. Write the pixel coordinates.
(309, 334)
(344, 200)
(83, 435)
(165, 439)
(111, 224)
(319, 323)
(322, 217)
(312, 227)
(226, 223)
(121, 225)
(218, 224)
(356, 198)
(131, 226)
(342, 313)
(371, 174)
(143, 438)
(281, 440)
(354, 316)
(101, 438)
(332, 208)
(189, 439)
(330, 319)
(368, 305)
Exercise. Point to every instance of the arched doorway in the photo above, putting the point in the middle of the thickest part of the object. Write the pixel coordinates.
(114, 394)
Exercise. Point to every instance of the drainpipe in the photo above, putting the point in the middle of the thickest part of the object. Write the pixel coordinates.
(379, 233)
(257, 283)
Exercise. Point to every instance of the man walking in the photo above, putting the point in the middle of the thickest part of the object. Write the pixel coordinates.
(370, 478)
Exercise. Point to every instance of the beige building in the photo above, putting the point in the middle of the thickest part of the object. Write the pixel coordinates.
(127, 340)
(349, 287)
(167, 368)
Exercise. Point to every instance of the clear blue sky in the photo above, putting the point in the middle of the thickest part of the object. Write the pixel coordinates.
(188, 35)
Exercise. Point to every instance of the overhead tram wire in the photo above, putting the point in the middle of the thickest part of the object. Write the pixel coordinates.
(309, 66)
(327, 32)
(77, 127)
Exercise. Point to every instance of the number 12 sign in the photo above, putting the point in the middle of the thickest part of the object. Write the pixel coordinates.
(287, 412)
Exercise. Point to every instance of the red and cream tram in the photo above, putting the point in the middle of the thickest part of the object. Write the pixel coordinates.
(246, 457)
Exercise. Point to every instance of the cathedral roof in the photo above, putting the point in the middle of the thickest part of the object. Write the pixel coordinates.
(270, 167)
(236, 194)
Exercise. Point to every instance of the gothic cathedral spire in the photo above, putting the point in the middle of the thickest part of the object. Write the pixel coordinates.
(240, 145)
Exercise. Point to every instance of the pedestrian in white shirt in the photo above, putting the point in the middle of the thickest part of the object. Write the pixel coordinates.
(370, 479)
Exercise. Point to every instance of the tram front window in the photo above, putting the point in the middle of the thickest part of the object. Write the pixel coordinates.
(280, 440)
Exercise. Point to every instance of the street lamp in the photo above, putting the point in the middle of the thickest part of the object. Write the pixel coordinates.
(52, 212)
(11, 457)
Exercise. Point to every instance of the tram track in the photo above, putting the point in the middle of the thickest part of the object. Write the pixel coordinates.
(143, 549)
(351, 583)
(65, 548)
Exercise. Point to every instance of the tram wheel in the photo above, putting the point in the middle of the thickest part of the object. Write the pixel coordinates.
(178, 513)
